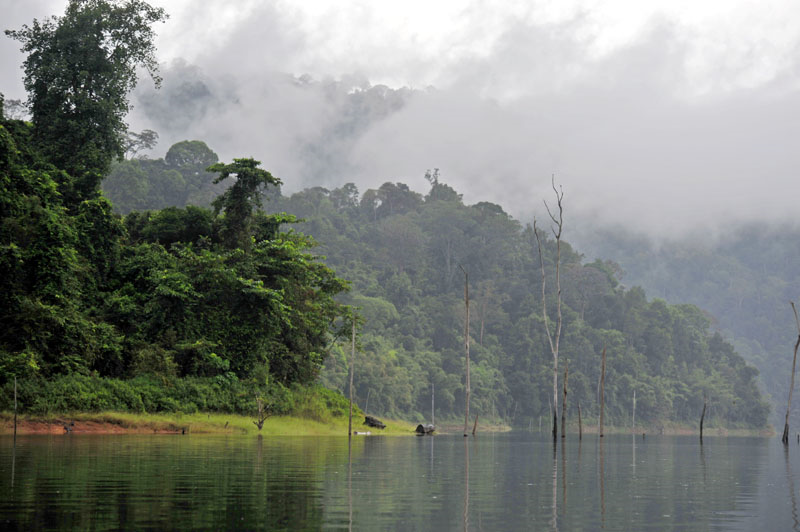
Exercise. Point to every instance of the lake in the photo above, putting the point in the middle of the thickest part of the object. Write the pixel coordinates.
(509, 481)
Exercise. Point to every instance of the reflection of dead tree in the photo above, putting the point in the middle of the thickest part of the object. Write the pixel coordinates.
(602, 487)
(553, 339)
(554, 515)
(785, 438)
(466, 486)
(790, 479)
(264, 412)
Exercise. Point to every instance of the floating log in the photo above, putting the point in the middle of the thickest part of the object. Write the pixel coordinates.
(427, 428)
(374, 422)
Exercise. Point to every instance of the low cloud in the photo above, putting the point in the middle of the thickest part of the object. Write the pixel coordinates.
(671, 130)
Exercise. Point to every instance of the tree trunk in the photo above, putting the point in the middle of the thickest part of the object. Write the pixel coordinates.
(602, 390)
(352, 369)
(564, 403)
(785, 438)
(466, 349)
(580, 422)
(433, 393)
(15, 409)
(703, 417)
(558, 224)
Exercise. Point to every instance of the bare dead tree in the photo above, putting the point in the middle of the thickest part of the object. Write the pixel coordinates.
(564, 402)
(264, 412)
(433, 392)
(466, 348)
(785, 438)
(602, 390)
(580, 422)
(15, 408)
(703, 416)
(553, 338)
(352, 370)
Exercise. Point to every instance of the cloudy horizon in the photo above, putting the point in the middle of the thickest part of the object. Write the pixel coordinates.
(664, 119)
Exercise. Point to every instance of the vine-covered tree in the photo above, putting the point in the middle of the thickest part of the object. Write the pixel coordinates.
(241, 199)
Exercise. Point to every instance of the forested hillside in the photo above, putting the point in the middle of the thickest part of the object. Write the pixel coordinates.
(222, 299)
(207, 280)
(745, 279)
(403, 252)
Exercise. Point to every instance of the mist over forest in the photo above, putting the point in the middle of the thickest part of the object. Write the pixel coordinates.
(680, 230)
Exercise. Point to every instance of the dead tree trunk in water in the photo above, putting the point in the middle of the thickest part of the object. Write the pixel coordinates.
(602, 390)
(556, 228)
(433, 393)
(785, 438)
(564, 402)
(703, 416)
(580, 422)
(466, 348)
(352, 369)
(15, 409)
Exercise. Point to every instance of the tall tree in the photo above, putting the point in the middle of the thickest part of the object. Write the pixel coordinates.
(466, 348)
(241, 199)
(79, 70)
(785, 438)
(555, 337)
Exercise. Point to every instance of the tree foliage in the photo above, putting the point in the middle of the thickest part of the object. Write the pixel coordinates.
(78, 72)
(403, 264)
(160, 292)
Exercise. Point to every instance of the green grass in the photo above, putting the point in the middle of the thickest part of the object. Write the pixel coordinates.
(207, 423)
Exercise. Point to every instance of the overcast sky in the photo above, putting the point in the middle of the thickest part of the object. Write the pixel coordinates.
(673, 117)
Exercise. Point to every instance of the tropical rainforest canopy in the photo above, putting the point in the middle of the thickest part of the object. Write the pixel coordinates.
(201, 273)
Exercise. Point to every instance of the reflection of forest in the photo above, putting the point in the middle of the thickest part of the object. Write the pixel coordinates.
(516, 481)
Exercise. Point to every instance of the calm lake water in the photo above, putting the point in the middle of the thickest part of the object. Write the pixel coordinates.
(514, 481)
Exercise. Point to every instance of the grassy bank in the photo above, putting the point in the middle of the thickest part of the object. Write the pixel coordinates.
(196, 423)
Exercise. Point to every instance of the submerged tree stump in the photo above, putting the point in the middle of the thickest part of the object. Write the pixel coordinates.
(374, 422)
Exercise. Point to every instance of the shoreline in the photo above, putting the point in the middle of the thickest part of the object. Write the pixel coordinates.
(198, 423)
(217, 423)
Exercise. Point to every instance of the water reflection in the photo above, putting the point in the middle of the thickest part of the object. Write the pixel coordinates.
(502, 482)
(13, 458)
(563, 479)
(466, 485)
(600, 444)
(554, 516)
(792, 497)
(349, 483)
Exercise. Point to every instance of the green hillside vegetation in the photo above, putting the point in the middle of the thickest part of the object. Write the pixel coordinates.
(402, 252)
(224, 296)
(184, 307)
(745, 279)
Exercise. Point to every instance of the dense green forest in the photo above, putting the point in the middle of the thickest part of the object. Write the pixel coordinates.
(402, 252)
(745, 279)
(221, 297)
(208, 279)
